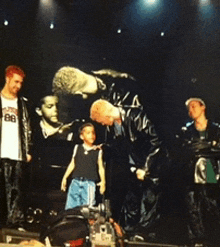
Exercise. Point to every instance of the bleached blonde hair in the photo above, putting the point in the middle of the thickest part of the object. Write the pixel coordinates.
(64, 80)
(99, 109)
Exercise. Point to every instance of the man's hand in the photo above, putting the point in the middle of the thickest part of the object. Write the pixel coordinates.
(141, 174)
(29, 157)
(102, 187)
(63, 184)
(65, 127)
(95, 147)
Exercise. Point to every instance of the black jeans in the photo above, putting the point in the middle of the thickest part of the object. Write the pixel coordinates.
(202, 204)
(10, 192)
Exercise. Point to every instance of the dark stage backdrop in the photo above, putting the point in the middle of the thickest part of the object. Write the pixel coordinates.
(122, 35)
(172, 49)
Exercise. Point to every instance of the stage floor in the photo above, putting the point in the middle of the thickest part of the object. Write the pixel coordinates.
(13, 238)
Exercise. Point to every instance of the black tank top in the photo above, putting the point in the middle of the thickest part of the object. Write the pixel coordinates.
(86, 163)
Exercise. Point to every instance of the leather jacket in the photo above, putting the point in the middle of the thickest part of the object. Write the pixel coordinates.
(190, 137)
(141, 142)
(24, 127)
(195, 148)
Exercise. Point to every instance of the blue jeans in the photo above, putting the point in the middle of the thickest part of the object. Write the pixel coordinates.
(81, 192)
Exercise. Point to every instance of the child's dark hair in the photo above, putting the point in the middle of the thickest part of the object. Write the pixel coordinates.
(84, 126)
(41, 100)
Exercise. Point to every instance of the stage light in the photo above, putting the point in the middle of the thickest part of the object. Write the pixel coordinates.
(151, 1)
(47, 3)
(46, 12)
(119, 30)
(206, 9)
(193, 80)
(204, 2)
(148, 8)
(6, 23)
(162, 33)
(51, 26)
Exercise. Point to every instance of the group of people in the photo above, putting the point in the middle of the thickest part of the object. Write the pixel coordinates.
(132, 167)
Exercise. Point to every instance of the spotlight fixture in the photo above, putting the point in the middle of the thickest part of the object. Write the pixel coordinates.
(151, 1)
(204, 2)
(51, 26)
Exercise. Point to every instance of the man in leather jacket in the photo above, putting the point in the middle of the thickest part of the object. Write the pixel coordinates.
(15, 136)
(133, 152)
(198, 158)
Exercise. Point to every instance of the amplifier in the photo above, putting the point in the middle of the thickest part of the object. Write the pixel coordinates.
(102, 235)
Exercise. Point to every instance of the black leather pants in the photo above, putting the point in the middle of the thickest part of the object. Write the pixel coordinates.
(203, 212)
(10, 192)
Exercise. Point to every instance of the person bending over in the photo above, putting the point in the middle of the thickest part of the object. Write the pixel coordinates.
(131, 145)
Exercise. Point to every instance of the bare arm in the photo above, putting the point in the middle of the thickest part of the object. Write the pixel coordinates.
(69, 170)
(101, 170)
